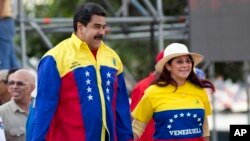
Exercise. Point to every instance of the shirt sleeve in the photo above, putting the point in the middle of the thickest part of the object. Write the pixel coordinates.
(144, 109)
(205, 99)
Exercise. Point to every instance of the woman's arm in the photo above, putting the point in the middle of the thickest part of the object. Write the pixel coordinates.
(206, 132)
(138, 128)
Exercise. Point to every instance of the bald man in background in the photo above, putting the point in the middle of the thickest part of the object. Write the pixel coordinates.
(14, 113)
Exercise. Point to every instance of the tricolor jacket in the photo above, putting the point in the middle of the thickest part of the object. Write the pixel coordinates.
(80, 98)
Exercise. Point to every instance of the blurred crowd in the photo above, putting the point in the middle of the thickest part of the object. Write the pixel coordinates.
(229, 96)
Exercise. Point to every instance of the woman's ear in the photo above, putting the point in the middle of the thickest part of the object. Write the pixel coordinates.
(168, 67)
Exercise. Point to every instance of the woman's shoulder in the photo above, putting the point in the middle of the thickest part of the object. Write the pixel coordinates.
(195, 88)
(154, 89)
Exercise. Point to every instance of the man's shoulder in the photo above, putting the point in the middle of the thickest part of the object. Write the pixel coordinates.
(108, 48)
(59, 48)
(5, 107)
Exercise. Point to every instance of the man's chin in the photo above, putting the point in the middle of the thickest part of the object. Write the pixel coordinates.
(15, 98)
(96, 46)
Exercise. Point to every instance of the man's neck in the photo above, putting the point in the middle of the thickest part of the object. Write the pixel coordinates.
(23, 104)
(94, 52)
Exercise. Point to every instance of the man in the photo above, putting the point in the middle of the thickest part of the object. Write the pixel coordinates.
(8, 57)
(14, 113)
(136, 95)
(81, 92)
(5, 96)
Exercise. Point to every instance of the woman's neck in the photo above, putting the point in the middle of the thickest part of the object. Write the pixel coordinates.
(180, 82)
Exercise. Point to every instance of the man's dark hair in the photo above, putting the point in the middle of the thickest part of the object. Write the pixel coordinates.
(84, 13)
(11, 71)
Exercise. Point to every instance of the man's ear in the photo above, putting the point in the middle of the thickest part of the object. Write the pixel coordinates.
(33, 87)
(80, 27)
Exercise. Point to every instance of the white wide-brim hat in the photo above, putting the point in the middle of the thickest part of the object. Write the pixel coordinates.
(174, 50)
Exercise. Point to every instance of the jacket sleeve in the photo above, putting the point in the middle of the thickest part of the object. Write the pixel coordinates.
(123, 122)
(46, 101)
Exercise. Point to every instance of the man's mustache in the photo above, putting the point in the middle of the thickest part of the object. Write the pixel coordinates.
(99, 37)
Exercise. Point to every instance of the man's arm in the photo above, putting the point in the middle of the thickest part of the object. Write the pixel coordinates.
(46, 100)
(1, 6)
(123, 122)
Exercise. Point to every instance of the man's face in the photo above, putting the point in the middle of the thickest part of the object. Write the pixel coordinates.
(19, 87)
(93, 32)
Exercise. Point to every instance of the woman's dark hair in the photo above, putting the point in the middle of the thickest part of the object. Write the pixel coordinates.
(85, 11)
(165, 79)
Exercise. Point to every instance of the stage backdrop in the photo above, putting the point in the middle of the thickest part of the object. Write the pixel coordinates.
(220, 29)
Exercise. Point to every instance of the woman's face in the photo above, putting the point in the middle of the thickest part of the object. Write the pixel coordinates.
(180, 67)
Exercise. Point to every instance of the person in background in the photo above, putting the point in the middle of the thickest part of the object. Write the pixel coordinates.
(5, 96)
(2, 135)
(8, 57)
(136, 95)
(176, 99)
(14, 113)
(199, 73)
(81, 93)
(224, 96)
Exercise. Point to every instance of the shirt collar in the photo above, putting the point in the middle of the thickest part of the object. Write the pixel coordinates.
(15, 108)
(76, 40)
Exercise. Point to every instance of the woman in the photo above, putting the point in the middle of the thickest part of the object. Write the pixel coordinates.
(176, 99)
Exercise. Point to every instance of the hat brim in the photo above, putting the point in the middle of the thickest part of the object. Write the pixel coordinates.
(197, 58)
